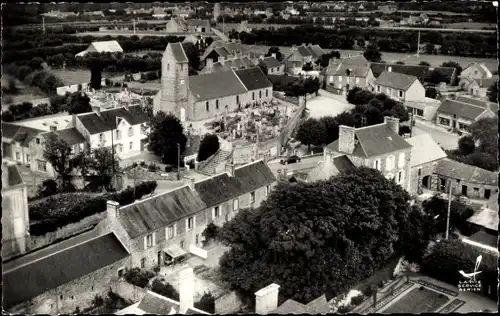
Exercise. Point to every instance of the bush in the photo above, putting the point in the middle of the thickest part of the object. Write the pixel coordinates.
(356, 300)
(206, 303)
(368, 291)
(47, 188)
(153, 167)
(211, 232)
(138, 277)
(165, 289)
(169, 169)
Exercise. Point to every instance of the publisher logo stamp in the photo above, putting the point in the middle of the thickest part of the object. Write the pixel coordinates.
(470, 284)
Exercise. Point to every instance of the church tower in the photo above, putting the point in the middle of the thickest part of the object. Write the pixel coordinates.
(174, 82)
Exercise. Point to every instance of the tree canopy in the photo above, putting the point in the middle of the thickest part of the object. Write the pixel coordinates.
(492, 93)
(311, 132)
(79, 104)
(166, 132)
(372, 54)
(275, 50)
(316, 238)
(58, 154)
(209, 145)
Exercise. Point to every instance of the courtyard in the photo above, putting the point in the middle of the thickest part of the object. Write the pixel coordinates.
(327, 104)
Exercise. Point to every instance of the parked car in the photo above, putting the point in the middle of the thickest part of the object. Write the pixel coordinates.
(289, 160)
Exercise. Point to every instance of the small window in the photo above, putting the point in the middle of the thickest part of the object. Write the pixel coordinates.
(190, 223)
(118, 134)
(42, 165)
(267, 93)
(235, 205)
(207, 106)
(260, 94)
(143, 263)
(18, 156)
(60, 297)
(378, 88)
(253, 96)
(217, 104)
(400, 176)
(168, 66)
(38, 141)
(149, 241)
(101, 137)
(197, 238)
(400, 93)
(376, 164)
(237, 99)
(252, 197)
(131, 145)
(182, 243)
(120, 272)
(268, 189)
(130, 131)
(72, 297)
(419, 172)
(216, 212)
(171, 232)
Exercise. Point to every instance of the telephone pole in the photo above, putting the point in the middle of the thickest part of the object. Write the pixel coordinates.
(418, 44)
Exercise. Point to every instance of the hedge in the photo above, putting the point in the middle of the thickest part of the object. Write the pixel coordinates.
(62, 210)
(166, 290)
(138, 277)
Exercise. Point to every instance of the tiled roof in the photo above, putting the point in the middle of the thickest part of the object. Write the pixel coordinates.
(353, 70)
(486, 217)
(222, 51)
(253, 78)
(374, 141)
(329, 168)
(481, 103)
(317, 306)
(460, 109)
(487, 82)
(484, 238)
(457, 170)
(228, 48)
(9, 130)
(107, 46)
(198, 22)
(107, 120)
(178, 52)
(25, 134)
(215, 85)
(70, 135)
(180, 21)
(424, 150)
(395, 80)
(238, 63)
(160, 211)
(37, 277)
(304, 51)
(421, 72)
(316, 51)
(153, 303)
(271, 62)
(223, 187)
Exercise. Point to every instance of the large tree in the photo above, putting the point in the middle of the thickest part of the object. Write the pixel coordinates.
(209, 145)
(331, 129)
(275, 50)
(166, 138)
(105, 164)
(493, 92)
(58, 153)
(262, 67)
(79, 103)
(311, 132)
(372, 53)
(315, 238)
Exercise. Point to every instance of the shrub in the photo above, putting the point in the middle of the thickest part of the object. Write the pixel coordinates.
(343, 309)
(211, 232)
(165, 289)
(169, 169)
(138, 277)
(206, 303)
(356, 300)
(142, 163)
(153, 167)
(368, 291)
(47, 188)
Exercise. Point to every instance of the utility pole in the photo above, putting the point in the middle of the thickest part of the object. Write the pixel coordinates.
(449, 211)
(418, 44)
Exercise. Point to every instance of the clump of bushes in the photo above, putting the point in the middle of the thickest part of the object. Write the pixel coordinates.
(165, 289)
(57, 211)
(138, 277)
(206, 303)
(211, 232)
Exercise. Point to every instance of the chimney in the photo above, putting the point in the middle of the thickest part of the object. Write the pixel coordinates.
(189, 181)
(53, 128)
(230, 169)
(392, 122)
(222, 60)
(266, 299)
(97, 110)
(112, 210)
(347, 138)
(210, 63)
(274, 55)
(389, 69)
(186, 289)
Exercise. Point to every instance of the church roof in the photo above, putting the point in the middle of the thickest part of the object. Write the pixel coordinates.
(215, 85)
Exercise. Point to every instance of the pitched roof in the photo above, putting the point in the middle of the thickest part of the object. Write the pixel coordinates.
(457, 170)
(304, 51)
(374, 141)
(215, 85)
(460, 109)
(329, 168)
(159, 211)
(486, 217)
(238, 63)
(38, 276)
(342, 69)
(25, 134)
(253, 78)
(153, 303)
(395, 80)
(419, 71)
(246, 179)
(107, 46)
(228, 48)
(222, 52)
(11, 176)
(316, 51)
(70, 135)
(484, 238)
(424, 150)
(9, 130)
(486, 82)
(180, 20)
(480, 67)
(178, 52)
(271, 62)
(481, 103)
(317, 306)
(199, 22)
(106, 121)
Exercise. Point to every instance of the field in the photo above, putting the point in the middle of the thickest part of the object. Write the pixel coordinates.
(141, 34)
(470, 25)
(418, 300)
(23, 94)
(434, 60)
(76, 76)
(448, 29)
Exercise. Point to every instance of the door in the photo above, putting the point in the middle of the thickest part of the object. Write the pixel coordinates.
(487, 193)
(142, 144)
(159, 258)
(425, 182)
(183, 115)
(464, 190)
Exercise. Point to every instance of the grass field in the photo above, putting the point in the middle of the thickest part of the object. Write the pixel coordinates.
(24, 94)
(418, 300)
(470, 25)
(434, 60)
(76, 76)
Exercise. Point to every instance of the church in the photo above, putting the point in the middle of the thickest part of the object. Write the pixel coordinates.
(205, 96)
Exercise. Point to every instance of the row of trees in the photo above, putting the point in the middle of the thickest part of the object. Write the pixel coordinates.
(458, 44)
(34, 74)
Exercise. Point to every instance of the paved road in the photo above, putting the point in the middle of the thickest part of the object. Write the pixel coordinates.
(445, 139)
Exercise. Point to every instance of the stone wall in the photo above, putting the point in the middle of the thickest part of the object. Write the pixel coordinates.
(228, 303)
(128, 291)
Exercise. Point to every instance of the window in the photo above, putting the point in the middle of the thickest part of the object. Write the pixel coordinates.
(260, 94)
(130, 132)
(168, 66)
(190, 223)
(101, 137)
(420, 112)
(444, 121)
(197, 238)
(376, 164)
(401, 162)
(41, 165)
(235, 205)
(118, 134)
(207, 106)
(217, 104)
(252, 197)
(61, 297)
(28, 158)
(463, 126)
(253, 96)
(267, 93)
(237, 99)
(143, 263)
(340, 78)
(143, 128)
(18, 156)
(389, 163)
(400, 93)
(389, 91)
(120, 272)
(400, 176)
(419, 172)
(170, 232)
(216, 212)
(357, 80)
(378, 88)
(149, 241)
(268, 189)
(131, 145)
(37, 141)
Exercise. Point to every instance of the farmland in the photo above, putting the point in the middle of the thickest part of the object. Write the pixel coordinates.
(77, 76)
(434, 60)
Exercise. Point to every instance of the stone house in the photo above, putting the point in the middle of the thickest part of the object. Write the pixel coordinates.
(472, 72)
(479, 87)
(302, 55)
(15, 143)
(174, 220)
(180, 25)
(399, 87)
(350, 72)
(199, 97)
(457, 114)
(65, 276)
(227, 50)
(377, 146)
(420, 71)
(274, 67)
(425, 154)
(224, 64)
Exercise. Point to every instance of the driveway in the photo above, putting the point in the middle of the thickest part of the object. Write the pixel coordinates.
(444, 138)
(327, 104)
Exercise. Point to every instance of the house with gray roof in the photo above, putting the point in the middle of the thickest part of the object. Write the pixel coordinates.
(181, 25)
(460, 114)
(472, 72)
(274, 66)
(227, 64)
(400, 87)
(422, 72)
(301, 55)
(347, 73)
(377, 146)
(102, 47)
(479, 87)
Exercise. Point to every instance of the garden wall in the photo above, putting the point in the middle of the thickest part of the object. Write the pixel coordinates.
(66, 231)
(228, 303)
(128, 291)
